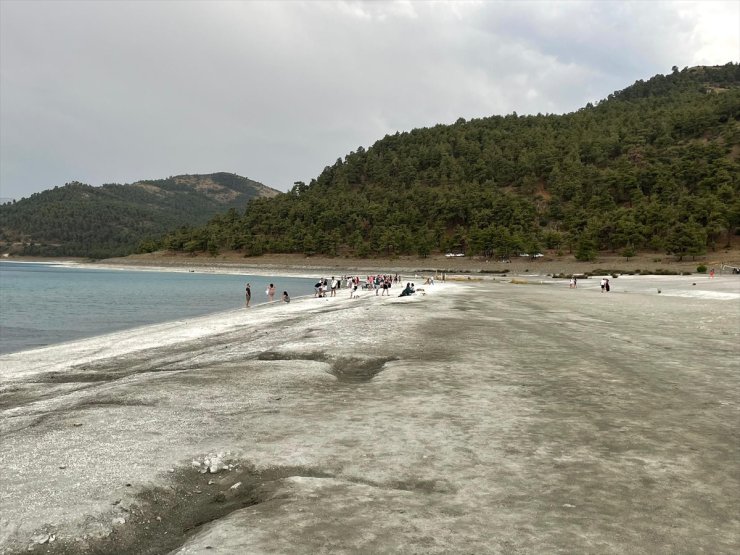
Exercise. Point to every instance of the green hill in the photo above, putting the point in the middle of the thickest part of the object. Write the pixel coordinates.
(114, 220)
(652, 167)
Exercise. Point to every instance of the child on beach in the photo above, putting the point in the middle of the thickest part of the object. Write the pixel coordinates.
(271, 292)
(249, 294)
(286, 298)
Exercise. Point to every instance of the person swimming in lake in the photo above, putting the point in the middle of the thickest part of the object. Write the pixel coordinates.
(248, 294)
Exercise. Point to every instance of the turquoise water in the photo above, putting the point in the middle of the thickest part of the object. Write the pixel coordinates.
(43, 304)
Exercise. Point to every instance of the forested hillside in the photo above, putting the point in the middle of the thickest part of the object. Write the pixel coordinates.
(652, 167)
(114, 220)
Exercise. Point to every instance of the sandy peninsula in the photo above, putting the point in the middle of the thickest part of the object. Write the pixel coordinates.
(549, 263)
(488, 415)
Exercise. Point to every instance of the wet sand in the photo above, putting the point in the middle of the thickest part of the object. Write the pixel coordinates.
(483, 417)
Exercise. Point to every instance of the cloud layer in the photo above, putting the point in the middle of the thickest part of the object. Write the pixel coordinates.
(105, 92)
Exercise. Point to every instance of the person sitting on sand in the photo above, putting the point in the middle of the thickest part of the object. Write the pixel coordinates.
(286, 298)
(408, 290)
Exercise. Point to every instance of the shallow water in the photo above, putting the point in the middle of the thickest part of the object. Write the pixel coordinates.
(44, 304)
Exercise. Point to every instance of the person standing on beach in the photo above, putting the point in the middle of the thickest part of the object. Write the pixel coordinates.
(334, 286)
(249, 294)
(603, 284)
(271, 292)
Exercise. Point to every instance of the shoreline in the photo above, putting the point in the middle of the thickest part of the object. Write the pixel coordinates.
(59, 357)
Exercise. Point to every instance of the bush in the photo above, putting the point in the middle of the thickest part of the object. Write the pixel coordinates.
(701, 268)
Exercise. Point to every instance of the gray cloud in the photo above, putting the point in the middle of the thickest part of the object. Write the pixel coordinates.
(119, 91)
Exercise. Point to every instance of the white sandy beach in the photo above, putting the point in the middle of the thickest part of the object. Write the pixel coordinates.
(482, 417)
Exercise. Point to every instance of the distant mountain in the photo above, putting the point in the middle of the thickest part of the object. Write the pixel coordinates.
(114, 220)
(655, 166)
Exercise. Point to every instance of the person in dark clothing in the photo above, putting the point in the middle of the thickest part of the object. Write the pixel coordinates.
(408, 290)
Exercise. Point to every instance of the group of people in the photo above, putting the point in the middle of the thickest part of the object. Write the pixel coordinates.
(604, 284)
(380, 283)
(326, 288)
(270, 292)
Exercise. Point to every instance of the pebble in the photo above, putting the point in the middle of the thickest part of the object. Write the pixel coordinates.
(41, 539)
(119, 520)
(236, 486)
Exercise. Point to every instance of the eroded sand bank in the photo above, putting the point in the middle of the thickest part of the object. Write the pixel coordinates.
(482, 417)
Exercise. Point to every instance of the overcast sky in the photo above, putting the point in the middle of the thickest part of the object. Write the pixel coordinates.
(118, 91)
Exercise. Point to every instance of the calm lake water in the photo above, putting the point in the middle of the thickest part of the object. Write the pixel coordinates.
(43, 304)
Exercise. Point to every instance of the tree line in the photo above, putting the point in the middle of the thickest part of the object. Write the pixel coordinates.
(651, 167)
(115, 220)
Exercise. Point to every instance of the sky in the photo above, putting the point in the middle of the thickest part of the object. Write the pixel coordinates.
(120, 91)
